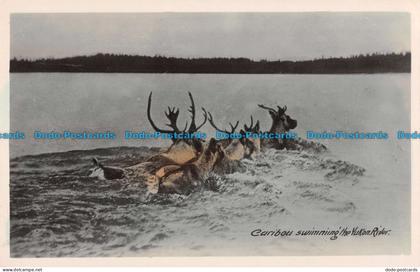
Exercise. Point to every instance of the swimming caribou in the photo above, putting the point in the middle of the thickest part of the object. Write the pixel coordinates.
(189, 161)
(242, 147)
(281, 124)
(182, 150)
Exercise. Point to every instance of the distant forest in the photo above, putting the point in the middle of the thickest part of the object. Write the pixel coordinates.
(111, 63)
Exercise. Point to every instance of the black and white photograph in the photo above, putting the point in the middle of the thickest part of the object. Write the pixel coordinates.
(199, 134)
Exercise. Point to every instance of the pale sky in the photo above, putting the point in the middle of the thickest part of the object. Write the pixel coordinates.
(252, 35)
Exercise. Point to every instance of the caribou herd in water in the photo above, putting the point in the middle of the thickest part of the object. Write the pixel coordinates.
(187, 163)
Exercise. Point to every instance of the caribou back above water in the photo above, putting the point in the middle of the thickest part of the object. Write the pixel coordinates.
(184, 178)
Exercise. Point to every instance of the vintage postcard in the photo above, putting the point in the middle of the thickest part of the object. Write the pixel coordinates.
(231, 133)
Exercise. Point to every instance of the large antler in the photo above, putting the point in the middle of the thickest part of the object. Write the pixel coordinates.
(193, 127)
(278, 111)
(281, 110)
(232, 127)
(266, 108)
(171, 116)
(205, 119)
(248, 128)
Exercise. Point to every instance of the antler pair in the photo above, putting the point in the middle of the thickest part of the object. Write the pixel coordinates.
(172, 115)
(279, 110)
(232, 127)
(193, 128)
(251, 127)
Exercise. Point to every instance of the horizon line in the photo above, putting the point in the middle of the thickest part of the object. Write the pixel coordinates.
(219, 57)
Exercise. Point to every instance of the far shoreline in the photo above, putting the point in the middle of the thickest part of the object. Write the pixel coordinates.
(112, 63)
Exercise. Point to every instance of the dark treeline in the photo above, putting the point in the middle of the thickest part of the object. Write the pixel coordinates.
(110, 63)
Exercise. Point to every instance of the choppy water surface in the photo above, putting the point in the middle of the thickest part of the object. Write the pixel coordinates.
(58, 210)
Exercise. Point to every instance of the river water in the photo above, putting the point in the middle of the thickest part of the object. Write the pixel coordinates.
(57, 210)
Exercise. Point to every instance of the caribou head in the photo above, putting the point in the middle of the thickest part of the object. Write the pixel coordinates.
(281, 121)
(251, 139)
